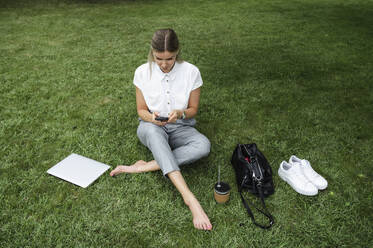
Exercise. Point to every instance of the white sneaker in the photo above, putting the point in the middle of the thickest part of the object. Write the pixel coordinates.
(309, 173)
(292, 174)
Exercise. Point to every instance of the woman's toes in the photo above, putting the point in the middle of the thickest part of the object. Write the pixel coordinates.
(206, 227)
(116, 171)
(199, 226)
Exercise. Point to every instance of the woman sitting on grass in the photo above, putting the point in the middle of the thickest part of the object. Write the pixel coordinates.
(168, 87)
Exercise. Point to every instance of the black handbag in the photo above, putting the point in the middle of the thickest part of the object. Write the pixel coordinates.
(253, 174)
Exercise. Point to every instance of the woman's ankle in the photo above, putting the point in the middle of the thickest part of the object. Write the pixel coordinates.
(190, 199)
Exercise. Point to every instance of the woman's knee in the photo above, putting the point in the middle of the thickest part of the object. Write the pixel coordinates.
(147, 130)
(149, 133)
(204, 147)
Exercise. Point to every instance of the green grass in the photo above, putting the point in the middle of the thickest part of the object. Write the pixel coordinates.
(293, 76)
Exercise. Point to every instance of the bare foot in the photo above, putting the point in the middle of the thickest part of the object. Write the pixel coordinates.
(128, 169)
(200, 219)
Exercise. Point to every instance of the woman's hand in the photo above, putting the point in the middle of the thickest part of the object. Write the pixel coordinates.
(174, 115)
(159, 123)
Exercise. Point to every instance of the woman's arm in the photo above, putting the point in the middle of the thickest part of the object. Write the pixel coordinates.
(143, 111)
(192, 109)
(193, 103)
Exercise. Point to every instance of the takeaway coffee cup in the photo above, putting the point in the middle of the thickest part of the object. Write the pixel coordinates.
(221, 192)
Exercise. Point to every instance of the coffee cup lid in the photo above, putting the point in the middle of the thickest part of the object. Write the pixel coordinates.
(222, 188)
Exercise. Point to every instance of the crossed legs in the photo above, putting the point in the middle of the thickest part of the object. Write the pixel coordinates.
(189, 146)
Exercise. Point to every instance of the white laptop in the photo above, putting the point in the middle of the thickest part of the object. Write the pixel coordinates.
(78, 170)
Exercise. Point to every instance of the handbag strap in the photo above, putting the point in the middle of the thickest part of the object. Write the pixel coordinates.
(265, 212)
(257, 178)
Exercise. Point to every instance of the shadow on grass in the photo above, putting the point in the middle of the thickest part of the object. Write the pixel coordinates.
(326, 39)
(324, 63)
(56, 3)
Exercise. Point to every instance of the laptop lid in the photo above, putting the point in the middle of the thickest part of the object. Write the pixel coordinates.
(78, 170)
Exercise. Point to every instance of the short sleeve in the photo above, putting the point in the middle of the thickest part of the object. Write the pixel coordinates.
(196, 78)
(137, 79)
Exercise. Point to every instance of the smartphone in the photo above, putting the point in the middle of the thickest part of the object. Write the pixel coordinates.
(160, 118)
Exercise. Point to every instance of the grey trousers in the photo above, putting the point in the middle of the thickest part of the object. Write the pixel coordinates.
(173, 145)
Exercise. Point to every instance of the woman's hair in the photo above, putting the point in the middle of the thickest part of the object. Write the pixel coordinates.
(164, 40)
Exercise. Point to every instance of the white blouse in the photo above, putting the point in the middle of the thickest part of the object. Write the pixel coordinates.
(164, 92)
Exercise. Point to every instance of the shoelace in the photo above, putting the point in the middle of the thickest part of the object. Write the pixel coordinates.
(298, 172)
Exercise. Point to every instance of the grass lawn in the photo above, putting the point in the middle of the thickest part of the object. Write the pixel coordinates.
(294, 76)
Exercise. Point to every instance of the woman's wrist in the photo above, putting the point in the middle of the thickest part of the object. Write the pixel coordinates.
(189, 113)
(146, 116)
(181, 114)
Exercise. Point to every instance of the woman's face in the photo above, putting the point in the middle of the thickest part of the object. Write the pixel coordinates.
(165, 60)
